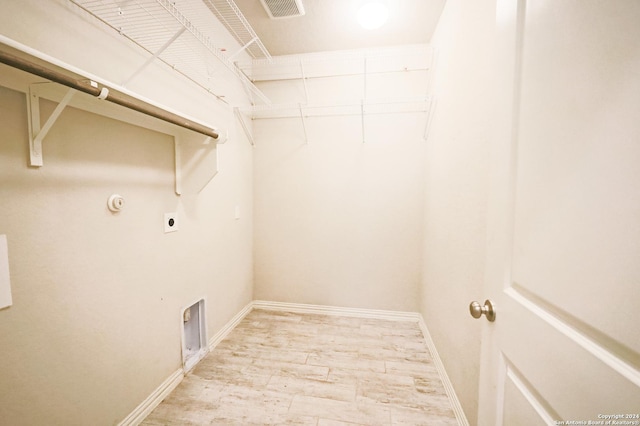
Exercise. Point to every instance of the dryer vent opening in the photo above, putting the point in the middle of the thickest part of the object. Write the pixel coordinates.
(194, 336)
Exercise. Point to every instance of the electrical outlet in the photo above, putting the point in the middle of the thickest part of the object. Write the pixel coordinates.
(170, 222)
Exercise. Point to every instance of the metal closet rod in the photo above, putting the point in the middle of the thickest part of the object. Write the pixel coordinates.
(92, 88)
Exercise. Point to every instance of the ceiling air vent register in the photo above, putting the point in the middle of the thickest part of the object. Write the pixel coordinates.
(278, 9)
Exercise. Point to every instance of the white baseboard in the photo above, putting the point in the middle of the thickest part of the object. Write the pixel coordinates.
(142, 411)
(448, 387)
(147, 406)
(334, 310)
(233, 322)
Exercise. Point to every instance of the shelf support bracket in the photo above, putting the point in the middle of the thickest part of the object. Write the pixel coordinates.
(196, 163)
(242, 49)
(37, 133)
(431, 104)
(304, 125)
(362, 118)
(364, 78)
(245, 128)
(364, 95)
(177, 165)
(155, 56)
(304, 83)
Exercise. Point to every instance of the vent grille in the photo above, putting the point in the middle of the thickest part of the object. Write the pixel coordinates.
(277, 9)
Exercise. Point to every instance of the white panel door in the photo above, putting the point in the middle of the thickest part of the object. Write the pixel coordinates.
(563, 265)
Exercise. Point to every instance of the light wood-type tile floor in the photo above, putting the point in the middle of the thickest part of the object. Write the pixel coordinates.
(279, 368)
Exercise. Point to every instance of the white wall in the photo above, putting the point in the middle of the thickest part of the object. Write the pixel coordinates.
(456, 189)
(338, 221)
(97, 297)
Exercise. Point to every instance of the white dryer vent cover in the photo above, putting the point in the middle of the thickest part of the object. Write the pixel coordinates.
(277, 9)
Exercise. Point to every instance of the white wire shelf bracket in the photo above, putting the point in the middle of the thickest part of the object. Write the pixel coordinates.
(245, 127)
(189, 39)
(361, 107)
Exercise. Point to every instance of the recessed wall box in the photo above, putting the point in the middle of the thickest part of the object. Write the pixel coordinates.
(194, 335)
(170, 222)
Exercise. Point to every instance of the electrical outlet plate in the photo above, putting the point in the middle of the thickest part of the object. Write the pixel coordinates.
(170, 222)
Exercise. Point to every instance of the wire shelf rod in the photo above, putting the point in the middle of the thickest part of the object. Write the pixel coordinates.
(87, 85)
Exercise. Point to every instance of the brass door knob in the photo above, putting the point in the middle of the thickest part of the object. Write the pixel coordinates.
(477, 310)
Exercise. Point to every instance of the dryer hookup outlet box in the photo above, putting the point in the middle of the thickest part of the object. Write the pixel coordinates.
(170, 222)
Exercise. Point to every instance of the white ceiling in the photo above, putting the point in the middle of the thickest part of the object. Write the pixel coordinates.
(331, 25)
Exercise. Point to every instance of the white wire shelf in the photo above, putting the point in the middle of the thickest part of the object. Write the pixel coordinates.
(339, 63)
(232, 18)
(187, 35)
(362, 107)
